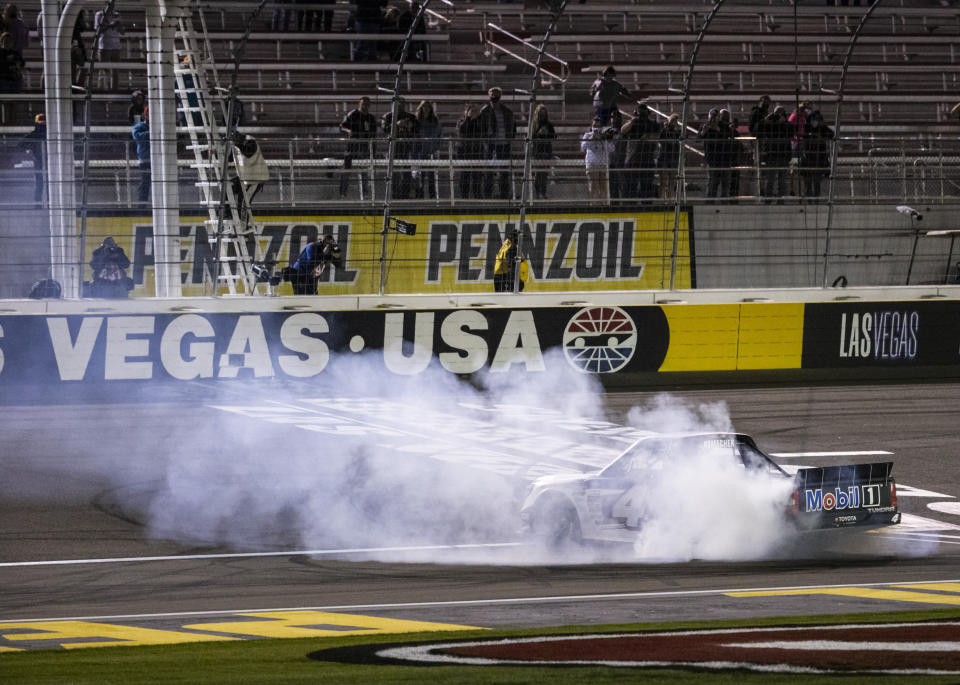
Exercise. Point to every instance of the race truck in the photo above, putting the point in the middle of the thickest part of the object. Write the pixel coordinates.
(609, 505)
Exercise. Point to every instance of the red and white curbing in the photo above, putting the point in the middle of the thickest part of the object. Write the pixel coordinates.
(923, 648)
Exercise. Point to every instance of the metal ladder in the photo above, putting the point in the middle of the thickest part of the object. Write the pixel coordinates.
(228, 232)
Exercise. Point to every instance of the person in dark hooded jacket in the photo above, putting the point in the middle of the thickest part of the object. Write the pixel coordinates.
(470, 148)
(815, 154)
(643, 136)
(109, 264)
(717, 142)
(774, 136)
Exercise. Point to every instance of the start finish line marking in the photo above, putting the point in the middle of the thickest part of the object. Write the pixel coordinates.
(74, 634)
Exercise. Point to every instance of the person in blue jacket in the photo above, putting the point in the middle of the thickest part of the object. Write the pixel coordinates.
(311, 264)
(141, 134)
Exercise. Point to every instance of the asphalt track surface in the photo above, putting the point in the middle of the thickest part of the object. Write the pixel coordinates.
(76, 541)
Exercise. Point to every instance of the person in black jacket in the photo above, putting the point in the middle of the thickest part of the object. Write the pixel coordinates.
(78, 50)
(469, 149)
(543, 136)
(815, 154)
(405, 149)
(499, 129)
(774, 135)
(716, 137)
(109, 264)
(760, 111)
(620, 178)
(367, 18)
(643, 134)
(359, 126)
(11, 66)
(430, 143)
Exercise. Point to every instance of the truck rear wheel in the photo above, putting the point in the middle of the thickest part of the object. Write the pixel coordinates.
(556, 524)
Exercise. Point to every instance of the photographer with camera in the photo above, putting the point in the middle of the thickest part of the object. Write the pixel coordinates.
(312, 263)
(109, 264)
(598, 145)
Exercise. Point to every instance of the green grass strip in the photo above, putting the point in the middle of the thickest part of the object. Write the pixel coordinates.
(270, 661)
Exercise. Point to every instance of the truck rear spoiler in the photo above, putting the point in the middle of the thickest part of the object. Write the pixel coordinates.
(849, 495)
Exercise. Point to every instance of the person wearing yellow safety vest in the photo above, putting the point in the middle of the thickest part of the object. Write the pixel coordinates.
(504, 267)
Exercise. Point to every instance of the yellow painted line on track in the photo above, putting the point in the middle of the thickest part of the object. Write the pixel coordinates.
(865, 593)
(943, 587)
(278, 624)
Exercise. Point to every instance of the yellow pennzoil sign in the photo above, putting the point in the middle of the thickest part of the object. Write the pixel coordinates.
(448, 254)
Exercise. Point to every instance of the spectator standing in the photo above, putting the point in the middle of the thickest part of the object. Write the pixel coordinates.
(716, 137)
(669, 158)
(109, 264)
(78, 50)
(312, 263)
(643, 136)
(405, 148)
(14, 25)
(815, 154)
(543, 135)
(34, 144)
(141, 134)
(11, 66)
(360, 128)
(252, 171)
(605, 90)
(367, 18)
(108, 47)
(499, 129)
(597, 144)
(620, 177)
(774, 136)
(470, 149)
(799, 120)
(758, 114)
(431, 138)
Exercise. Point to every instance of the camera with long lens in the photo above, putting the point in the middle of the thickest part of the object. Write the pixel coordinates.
(331, 250)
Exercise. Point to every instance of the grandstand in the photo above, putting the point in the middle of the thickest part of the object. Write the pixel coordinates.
(904, 71)
(896, 136)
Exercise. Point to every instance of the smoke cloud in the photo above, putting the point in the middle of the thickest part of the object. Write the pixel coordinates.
(402, 462)
(376, 461)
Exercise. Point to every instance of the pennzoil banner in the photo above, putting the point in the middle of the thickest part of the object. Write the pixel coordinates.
(449, 253)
